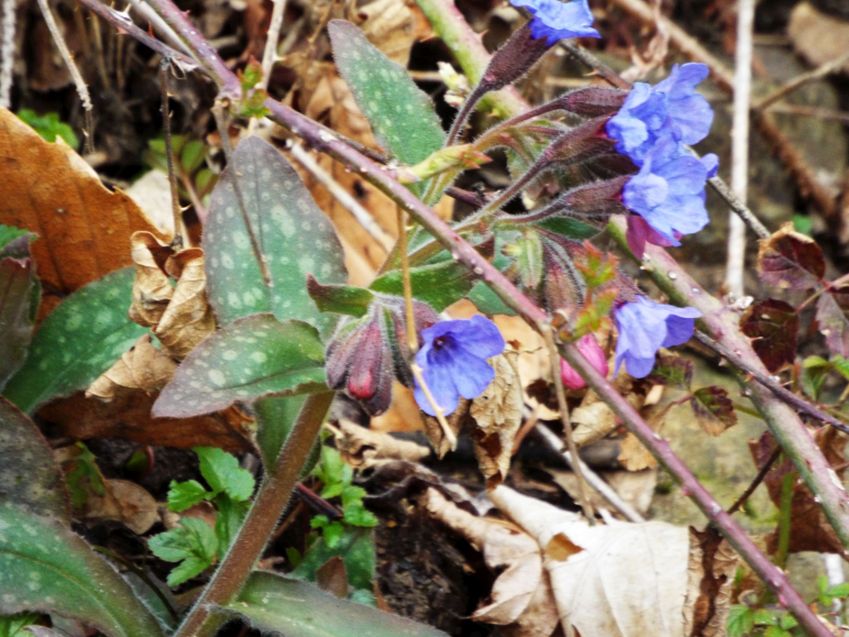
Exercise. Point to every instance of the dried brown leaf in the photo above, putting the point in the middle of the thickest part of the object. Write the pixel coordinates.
(393, 27)
(498, 415)
(441, 445)
(143, 367)
(83, 228)
(188, 319)
(126, 502)
(152, 290)
(363, 447)
(711, 569)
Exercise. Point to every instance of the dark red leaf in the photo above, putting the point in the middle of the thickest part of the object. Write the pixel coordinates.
(789, 259)
(773, 326)
(713, 409)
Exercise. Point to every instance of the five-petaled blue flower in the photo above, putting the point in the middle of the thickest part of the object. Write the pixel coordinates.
(670, 108)
(644, 327)
(555, 20)
(453, 361)
(669, 191)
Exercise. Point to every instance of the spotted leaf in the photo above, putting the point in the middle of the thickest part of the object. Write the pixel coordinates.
(293, 237)
(401, 114)
(249, 358)
(18, 301)
(46, 567)
(77, 342)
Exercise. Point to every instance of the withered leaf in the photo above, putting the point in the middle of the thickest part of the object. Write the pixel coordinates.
(711, 569)
(126, 502)
(440, 443)
(789, 259)
(773, 326)
(151, 289)
(713, 409)
(498, 415)
(833, 319)
(362, 447)
(143, 367)
(83, 228)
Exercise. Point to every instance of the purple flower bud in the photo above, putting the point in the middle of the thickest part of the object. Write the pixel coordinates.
(592, 351)
(367, 354)
(644, 327)
(453, 360)
(671, 108)
(668, 193)
(555, 20)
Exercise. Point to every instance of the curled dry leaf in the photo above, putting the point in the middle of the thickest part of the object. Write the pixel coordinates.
(83, 227)
(393, 27)
(592, 420)
(441, 445)
(521, 597)
(188, 318)
(151, 289)
(126, 502)
(617, 580)
(363, 447)
(143, 367)
(710, 570)
(498, 415)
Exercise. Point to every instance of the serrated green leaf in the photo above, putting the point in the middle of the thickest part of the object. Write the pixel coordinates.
(194, 544)
(47, 568)
(282, 606)
(18, 301)
(29, 477)
(740, 621)
(355, 547)
(400, 113)
(437, 284)
(77, 342)
(293, 235)
(245, 360)
(183, 495)
(222, 472)
(229, 520)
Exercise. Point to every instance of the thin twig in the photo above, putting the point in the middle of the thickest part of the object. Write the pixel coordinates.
(269, 54)
(438, 412)
(749, 490)
(158, 24)
(176, 210)
(342, 196)
(593, 479)
(563, 407)
(788, 87)
(7, 52)
(736, 256)
(76, 76)
(796, 401)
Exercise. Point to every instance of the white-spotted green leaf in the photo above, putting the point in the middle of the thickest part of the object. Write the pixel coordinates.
(77, 342)
(294, 237)
(46, 567)
(400, 113)
(29, 476)
(249, 358)
(278, 605)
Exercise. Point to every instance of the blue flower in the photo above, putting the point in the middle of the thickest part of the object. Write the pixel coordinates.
(644, 327)
(672, 107)
(555, 20)
(669, 191)
(453, 361)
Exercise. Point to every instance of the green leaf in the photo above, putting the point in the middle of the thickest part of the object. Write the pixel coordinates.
(740, 621)
(47, 568)
(571, 228)
(294, 238)
(839, 590)
(247, 359)
(49, 126)
(77, 342)
(29, 477)
(229, 519)
(437, 284)
(13, 626)
(222, 472)
(194, 544)
(400, 113)
(282, 606)
(488, 301)
(184, 495)
(355, 547)
(333, 472)
(342, 299)
(192, 156)
(276, 416)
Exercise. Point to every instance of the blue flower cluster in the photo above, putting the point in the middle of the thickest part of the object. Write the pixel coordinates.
(555, 20)
(653, 128)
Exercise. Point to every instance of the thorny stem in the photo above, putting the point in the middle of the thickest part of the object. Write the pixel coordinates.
(270, 502)
(176, 212)
(310, 131)
(563, 407)
(776, 388)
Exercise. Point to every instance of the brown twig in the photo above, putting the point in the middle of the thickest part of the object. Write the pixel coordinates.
(749, 490)
(800, 80)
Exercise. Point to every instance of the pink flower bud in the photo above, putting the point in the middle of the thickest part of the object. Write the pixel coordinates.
(592, 351)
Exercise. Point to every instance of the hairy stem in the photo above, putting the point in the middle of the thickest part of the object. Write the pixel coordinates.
(270, 502)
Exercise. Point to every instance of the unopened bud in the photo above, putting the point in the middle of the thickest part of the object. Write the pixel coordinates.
(592, 351)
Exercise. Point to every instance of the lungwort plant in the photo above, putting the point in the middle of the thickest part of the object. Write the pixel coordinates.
(261, 317)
